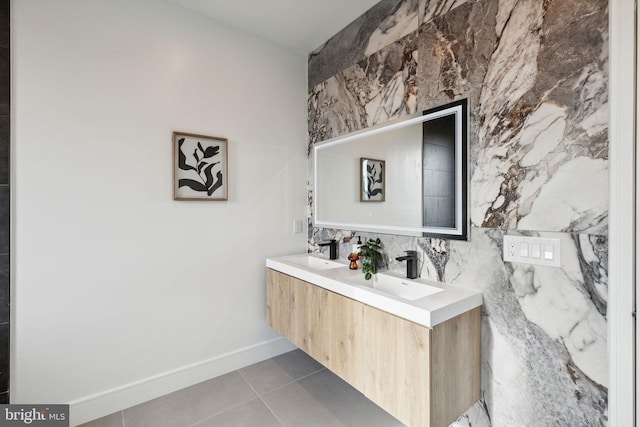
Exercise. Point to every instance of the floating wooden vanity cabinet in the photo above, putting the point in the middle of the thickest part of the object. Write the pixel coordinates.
(422, 376)
(278, 301)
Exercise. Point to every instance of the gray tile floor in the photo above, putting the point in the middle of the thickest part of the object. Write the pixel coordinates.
(290, 390)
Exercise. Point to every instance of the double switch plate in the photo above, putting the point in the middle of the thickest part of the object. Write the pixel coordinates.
(532, 250)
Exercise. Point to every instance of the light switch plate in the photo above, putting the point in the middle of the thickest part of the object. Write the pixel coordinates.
(537, 248)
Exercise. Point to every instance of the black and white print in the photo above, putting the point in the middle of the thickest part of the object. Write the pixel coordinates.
(200, 167)
(372, 180)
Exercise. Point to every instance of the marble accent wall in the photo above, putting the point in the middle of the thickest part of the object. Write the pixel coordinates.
(536, 74)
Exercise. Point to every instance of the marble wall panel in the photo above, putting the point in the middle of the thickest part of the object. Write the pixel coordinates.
(372, 91)
(539, 117)
(349, 45)
(543, 120)
(536, 75)
(544, 339)
(544, 331)
(383, 24)
(453, 57)
(429, 9)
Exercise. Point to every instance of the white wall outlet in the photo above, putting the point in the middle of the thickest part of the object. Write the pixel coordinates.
(297, 226)
(532, 250)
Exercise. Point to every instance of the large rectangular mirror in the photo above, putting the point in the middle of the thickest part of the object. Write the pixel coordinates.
(406, 177)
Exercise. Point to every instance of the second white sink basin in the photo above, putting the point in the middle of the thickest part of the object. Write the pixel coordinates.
(407, 289)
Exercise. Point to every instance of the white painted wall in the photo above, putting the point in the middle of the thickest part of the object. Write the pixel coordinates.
(120, 293)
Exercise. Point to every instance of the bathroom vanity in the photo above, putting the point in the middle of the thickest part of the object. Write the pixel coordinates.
(411, 346)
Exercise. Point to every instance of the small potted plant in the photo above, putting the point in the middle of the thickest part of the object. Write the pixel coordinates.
(371, 255)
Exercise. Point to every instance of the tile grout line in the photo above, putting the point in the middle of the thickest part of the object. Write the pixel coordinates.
(294, 381)
(290, 382)
(262, 400)
(279, 388)
(222, 412)
(257, 396)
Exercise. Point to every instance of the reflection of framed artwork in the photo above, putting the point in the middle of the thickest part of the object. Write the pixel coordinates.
(372, 175)
(200, 167)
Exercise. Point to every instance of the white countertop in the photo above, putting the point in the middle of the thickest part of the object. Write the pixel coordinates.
(427, 311)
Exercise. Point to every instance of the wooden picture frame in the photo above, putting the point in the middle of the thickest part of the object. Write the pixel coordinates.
(200, 169)
(372, 180)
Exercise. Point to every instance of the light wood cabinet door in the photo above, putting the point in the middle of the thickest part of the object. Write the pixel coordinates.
(414, 374)
(397, 366)
(325, 325)
(381, 360)
(278, 302)
(422, 376)
(455, 366)
(308, 321)
(343, 346)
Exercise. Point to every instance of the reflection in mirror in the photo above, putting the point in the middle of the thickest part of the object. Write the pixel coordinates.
(417, 167)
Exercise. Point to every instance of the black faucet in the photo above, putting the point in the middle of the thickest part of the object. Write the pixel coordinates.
(412, 263)
(333, 248)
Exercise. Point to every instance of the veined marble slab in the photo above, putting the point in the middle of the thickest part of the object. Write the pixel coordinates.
(536, 75)
(538, 100)
(538, 116)
(544, 354)
(349, 45)
(430, 9)
(544, 338)
(375, 90)
(383, 24)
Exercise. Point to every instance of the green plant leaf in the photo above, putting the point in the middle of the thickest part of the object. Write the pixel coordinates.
(371, 255)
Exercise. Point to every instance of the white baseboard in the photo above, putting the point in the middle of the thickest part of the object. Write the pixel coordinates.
(116, 399)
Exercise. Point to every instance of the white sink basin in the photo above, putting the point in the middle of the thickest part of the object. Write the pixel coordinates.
(422, 301)
(314, 263)
(407, 289)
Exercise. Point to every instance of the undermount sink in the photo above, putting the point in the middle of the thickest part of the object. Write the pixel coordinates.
(314, 263)
(397, 286)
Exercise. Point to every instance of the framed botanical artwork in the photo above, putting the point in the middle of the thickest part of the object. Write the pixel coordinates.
(200, 167)
(372, 175)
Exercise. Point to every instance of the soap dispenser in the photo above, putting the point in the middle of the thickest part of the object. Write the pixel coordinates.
(353, 256)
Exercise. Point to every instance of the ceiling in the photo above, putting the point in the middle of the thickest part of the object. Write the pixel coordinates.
(302, 25)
